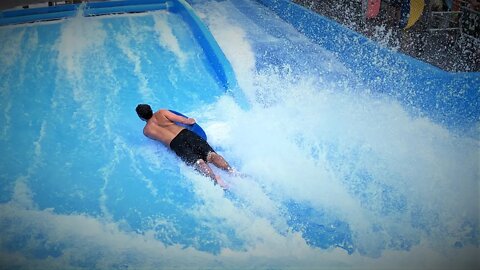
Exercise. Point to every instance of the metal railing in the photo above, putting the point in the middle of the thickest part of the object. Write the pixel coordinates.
(463, 18)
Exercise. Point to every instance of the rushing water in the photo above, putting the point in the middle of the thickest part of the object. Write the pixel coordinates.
(336, 177)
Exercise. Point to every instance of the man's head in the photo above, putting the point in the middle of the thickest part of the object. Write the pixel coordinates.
(144, 111)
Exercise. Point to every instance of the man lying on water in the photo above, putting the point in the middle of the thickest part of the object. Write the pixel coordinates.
(190, 147)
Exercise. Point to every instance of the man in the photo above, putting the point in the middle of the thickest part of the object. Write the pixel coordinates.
(190, 147)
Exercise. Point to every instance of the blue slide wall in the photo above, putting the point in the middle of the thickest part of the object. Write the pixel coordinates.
(451, 99)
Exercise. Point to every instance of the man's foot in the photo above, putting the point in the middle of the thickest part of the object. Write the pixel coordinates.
(236, 173)
(218, 180)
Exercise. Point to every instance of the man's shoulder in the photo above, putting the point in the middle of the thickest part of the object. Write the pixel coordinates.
(148, 128)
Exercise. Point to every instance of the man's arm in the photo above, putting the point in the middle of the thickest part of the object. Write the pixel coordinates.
(177, 118)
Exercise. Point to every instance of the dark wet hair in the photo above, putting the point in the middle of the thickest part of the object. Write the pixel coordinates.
(144, 111)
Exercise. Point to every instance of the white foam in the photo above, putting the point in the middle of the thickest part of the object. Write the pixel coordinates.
(166, 38)
(11, 40)
(232, 41)
(79, 36)
(80, 39)
(6, 114)
(22, 195)
(307, 143)
(265, 245)
(143, 88)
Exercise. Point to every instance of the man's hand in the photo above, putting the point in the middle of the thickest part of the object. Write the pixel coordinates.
(189, 121)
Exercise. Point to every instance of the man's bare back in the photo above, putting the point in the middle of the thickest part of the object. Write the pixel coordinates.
(162, 127)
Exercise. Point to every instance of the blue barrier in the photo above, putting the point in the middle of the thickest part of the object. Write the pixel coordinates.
(214, 54)
(37, 14)
(91, 11)
(30, 15)
(21, 14)
(451, 99)
(38, 17)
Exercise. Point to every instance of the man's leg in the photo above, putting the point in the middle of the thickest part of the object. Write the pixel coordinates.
(219, 162)
(201, 166)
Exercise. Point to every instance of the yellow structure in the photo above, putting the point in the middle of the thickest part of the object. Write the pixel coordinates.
(416, 10)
